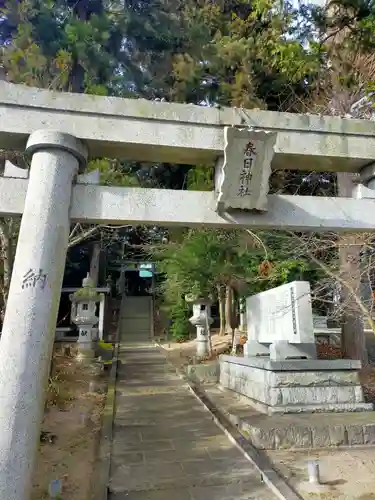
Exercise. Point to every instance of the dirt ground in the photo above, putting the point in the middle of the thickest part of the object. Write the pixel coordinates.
(184, 353)
(347, 474)
(71, 430)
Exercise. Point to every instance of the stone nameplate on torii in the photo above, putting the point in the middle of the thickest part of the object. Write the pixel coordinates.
(242, 176)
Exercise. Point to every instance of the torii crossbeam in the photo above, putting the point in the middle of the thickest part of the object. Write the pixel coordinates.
(167, 207)
(180, 133)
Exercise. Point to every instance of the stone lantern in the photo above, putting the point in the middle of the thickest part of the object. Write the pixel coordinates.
(202, 321)
(83, 315)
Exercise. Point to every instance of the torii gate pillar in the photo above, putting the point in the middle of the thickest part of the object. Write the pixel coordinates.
(31, 313)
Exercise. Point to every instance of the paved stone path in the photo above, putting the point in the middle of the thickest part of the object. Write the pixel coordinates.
(165, 445)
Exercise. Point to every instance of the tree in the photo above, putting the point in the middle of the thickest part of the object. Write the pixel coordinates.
(350, 23)
(63, 46)
(246, 54)
(348, 29)
(210, 262)
(203, 264)
(8, 241)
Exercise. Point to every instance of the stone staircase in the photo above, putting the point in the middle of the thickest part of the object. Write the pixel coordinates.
(136, 319)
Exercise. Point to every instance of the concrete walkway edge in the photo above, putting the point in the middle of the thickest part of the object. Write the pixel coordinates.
(104, 458)
(258, 458)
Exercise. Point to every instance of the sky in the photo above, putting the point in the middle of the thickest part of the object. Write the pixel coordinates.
(315, 2)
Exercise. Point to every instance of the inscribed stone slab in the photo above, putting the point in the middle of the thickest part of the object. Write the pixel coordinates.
(242, 179)
(282, 313)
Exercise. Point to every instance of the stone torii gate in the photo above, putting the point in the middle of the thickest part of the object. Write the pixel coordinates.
(59, 130)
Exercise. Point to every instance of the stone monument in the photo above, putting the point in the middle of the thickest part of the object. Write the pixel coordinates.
(280, 324)
(279, 372)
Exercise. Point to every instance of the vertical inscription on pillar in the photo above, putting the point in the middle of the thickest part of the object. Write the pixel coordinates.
(34, 279)
(293, 304)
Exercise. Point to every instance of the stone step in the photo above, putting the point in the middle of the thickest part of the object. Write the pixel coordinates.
(294, 431)
(135, 335)
(137, 302)
(129, 328)
(126, 332)
(135, 314)
(136, 322)
(134, 339)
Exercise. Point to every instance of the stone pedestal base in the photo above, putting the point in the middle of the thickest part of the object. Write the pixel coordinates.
(252, 348)
(295, 386)
(85, 352)
(203, 348)
(280, 350)
(283, 350)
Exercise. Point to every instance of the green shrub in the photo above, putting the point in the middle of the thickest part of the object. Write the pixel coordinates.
(179, 314)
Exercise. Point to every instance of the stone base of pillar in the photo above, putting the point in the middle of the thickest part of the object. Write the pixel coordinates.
(86, 358)
(203, 348)
(85, 352)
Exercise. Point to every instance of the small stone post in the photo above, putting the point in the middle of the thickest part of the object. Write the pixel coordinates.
(202, 320)
(313, 471)
(243, 323)
(101, 317)
(30, 319)
(84, 303)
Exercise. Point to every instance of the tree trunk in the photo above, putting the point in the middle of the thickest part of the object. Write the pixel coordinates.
(228, 309)
(94, 263)
(6, 256)
(81, 12)
(221, 299)
(233, 318)
(353, 342)
(77, 78)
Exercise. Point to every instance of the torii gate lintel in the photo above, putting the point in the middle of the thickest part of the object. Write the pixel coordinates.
(106, 205)
(137, 129)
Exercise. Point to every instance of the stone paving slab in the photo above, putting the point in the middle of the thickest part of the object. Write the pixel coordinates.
(173, 494)
(166, 446)
(236, 491)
